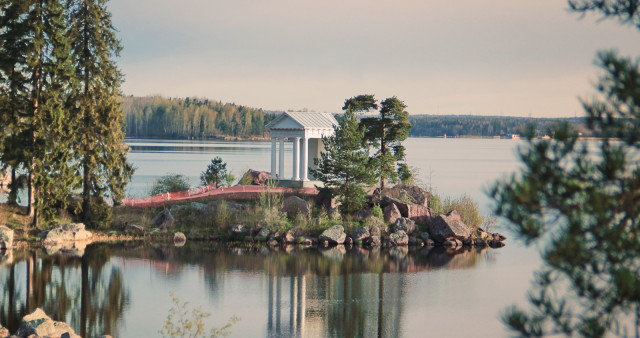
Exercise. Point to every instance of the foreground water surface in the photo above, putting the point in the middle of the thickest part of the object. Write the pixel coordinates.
(125, 289)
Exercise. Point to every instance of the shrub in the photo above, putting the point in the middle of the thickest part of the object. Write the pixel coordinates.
(183, 321)
(376, 211)
(466, 208)
(435, 203)
(170, 183)
(216, 172)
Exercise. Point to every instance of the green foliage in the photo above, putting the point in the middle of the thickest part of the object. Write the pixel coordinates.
(229, 178)
(343, 167)
(169, 183)
(467, 208)
(583, 199)
(183, 321)
(488, 126)
(191, 118)
(384, 133)
(435, 203)
(376, 211)
(94, 102)
(216, 172)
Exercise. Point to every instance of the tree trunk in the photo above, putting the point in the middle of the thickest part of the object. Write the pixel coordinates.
(86, 194)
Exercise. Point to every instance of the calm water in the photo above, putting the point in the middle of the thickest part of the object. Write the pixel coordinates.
(125, 290)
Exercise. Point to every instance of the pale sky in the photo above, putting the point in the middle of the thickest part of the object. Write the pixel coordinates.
(480, 57)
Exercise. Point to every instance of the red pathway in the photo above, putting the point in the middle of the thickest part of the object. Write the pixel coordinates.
(238, 192)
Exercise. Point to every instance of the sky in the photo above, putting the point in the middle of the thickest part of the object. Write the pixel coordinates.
(480, 57)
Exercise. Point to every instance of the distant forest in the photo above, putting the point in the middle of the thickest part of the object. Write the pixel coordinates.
(486, 126)
(159, 117)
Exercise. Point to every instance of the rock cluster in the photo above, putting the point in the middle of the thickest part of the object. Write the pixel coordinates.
(38, 324)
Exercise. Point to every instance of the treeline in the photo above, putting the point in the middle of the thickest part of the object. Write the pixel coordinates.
(487, 126)
(160, 117)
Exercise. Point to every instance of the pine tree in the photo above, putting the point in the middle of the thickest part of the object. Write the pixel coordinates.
(583, 199)
(343, 167)
(384, 133)
(99, 149)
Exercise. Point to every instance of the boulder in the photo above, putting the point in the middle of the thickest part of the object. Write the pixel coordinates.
(412, 193)
(163, 220)
(133, 228)
(39, 324)
(348, 241)
(294, 206)
(498, 237)
(399, 238)
(179, 238)
(6, 237)
(429, 242)
(415, 241)
(496, 244)
(272, 242)
(66, 232)
(333, 235)
(424, 236)
(404, 224)
(479, 242)
(360, 234)
(418, 213)
(239, 229)
(450, 225)
(391, 213)
(264, 232)
(289, 236)
(306, 240)
(4, 332)
(373, 241)
(255, 177)
(482, 234)
(452, 243)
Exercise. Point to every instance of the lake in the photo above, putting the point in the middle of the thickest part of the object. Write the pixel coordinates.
(125, 289)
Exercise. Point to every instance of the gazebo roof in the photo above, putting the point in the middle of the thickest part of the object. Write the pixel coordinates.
(302, 120)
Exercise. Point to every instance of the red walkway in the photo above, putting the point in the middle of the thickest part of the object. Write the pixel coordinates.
(239, 192)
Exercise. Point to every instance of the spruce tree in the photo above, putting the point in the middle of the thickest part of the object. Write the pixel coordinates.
(343, 166)
(99, 149)
(35, 64)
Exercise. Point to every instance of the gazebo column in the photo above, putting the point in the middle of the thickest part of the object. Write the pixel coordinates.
(281, 167)
(273, 157)
(296, 159)
(305, 159)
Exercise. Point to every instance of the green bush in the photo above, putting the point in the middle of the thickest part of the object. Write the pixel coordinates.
(376, 211)
(466, 208)
(170, 183)
(435, 203)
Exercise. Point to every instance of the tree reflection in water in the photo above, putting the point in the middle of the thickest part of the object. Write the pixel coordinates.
(87, 292)
(309, 292)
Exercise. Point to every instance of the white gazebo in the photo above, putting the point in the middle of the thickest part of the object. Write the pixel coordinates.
(305, 130)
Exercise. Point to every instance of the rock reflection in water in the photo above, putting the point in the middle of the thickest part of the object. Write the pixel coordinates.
(72, 285)
(338, 291)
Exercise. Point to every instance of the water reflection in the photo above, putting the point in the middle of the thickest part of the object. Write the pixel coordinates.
(86, 292)
(307, 292)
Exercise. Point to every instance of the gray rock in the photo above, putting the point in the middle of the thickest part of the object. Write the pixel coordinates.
(373, 241)
(133, 228)
(294, 206)
(452, 243)
(179, 238)
(429, 243)
(334, 235)
(398, 238)
(6, 237)
(66, 232)
(272, 242)
(391, 213)
(360, 234)
(348, 241)
(415, 241)
(239, 229)
(404, 224)
(498, 237)
(4, 332)
(197, 206)
(480, 243)
(264, 232)
(449, 225)
(39, 324)
(163, 220)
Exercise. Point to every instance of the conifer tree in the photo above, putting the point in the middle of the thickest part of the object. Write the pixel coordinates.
(36, 65)
(583, 200)
(343, 167)
(384, 133)
(99, 149)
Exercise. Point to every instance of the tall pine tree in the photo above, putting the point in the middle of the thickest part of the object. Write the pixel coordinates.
(99, 149)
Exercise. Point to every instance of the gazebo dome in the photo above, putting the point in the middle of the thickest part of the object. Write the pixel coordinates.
(305, 130)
